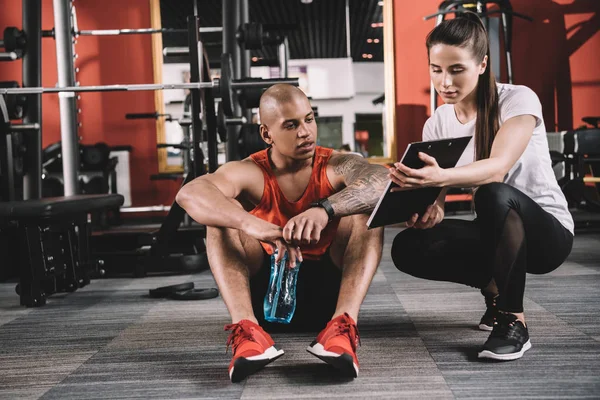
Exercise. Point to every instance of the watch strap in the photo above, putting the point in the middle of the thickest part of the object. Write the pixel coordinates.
(326, 205)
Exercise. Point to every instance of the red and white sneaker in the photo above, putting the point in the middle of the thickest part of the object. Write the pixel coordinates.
(252, 347)
(337, 343)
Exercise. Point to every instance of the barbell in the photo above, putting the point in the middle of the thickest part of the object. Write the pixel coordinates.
(139, 31)
(226, 86)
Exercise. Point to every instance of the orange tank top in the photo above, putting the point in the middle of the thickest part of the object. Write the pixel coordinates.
(276, 209)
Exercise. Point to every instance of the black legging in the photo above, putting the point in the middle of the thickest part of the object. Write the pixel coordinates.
(511, 236)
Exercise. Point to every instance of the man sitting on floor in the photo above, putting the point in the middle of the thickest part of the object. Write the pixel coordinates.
(299, 198)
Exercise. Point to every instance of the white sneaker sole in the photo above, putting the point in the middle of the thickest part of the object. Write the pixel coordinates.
(484, 327)
(249, 365)
(505, 357)
(340, 361)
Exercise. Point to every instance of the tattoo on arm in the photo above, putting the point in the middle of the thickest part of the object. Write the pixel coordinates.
(364, 184)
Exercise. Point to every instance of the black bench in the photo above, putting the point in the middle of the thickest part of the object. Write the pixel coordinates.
(53, 236)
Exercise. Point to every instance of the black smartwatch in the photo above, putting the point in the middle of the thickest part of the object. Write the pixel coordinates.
(326, 205)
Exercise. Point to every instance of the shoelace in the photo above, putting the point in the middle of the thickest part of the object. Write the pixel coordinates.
(345, 327)
(505, 328)
(237, 336)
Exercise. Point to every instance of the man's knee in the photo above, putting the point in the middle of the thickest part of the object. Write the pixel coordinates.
(357, 225)
(223, 244)
(352, 235)
(218, 237)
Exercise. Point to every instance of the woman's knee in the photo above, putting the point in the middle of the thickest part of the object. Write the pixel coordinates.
(404, 249)
(493, 193)
(496, 199)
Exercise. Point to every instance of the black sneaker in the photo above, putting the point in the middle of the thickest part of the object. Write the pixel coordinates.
(487, 321)
(509, 339)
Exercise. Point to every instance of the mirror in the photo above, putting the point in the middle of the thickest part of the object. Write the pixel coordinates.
(354, 96)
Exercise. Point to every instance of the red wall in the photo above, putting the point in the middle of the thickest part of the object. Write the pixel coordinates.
(104, 60)
(557, 58)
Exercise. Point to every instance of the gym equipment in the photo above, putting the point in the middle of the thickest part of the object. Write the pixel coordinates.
(593, 121)
(249, 140)
(53, 234)
(480, 7)
(170, 247)
(228, 98)
(250, 98)
(142, 31)
(223, 122)
(164, 291)
(115, 32)
(14, 39)
(153, 115)
(15, 104)
(185, 145)
(195, 294)
(32, 112)
(66, 83)
(574, 155)
(97, 170)
(254, 35)
(12, 152)
(14, 42)
(226, 86)
(183, 291)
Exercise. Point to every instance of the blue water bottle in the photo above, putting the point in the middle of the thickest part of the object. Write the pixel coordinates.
(280, 301)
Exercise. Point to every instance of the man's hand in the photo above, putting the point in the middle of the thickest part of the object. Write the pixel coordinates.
(433, 216)
(306, 228)
(273, 235)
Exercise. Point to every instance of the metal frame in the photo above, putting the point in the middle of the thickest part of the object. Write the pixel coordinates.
(114, 88)
(390, 85)
(245, 59)
(32, 76)
(284, 56)
(231, 21)
(114, 32)
(232, 150)
(67, 99)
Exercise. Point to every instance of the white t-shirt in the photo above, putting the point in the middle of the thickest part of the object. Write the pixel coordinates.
(532, 173)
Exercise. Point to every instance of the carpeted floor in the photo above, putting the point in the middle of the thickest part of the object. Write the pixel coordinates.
(110, 340)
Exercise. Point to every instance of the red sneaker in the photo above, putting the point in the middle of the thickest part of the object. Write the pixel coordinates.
(337, 343)
(253, 348)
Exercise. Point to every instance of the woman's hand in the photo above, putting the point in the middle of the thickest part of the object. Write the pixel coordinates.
(431, 175)
(432, 216)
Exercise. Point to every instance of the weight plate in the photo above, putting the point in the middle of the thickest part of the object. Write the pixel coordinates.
(165, 291)
(195, 294)
(221, 123)
(228, 97)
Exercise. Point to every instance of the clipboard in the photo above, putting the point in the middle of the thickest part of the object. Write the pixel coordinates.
(396, 207)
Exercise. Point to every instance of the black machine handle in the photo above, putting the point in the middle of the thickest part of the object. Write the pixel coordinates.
(173, 145)
(153, 115)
